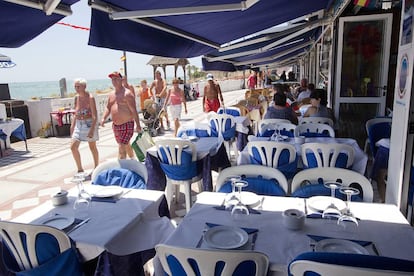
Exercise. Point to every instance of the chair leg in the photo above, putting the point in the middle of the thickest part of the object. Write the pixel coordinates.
(188, 200)
(169, 193)
(25, 142)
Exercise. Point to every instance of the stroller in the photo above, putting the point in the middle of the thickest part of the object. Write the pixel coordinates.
(152, 113)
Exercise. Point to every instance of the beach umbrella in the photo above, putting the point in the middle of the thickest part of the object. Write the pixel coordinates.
(5, 62)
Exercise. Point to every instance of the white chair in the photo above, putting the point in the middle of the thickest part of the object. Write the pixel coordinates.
(129, 164)
(287, 129)
(269, 124)
(329, 174)
(317, 120)
(206, 260)
(225, 126)
(22, 240)
(252, 171)
(314, 130)
(230, 110)
(178, 171)
(320, 263)
(327, 154)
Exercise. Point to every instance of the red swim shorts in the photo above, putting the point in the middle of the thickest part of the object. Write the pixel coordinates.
(123, 133)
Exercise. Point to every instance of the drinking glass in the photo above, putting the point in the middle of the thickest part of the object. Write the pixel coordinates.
(348, 216)
(239, 210)
(232, 199)
(82, 202)
(332, 211)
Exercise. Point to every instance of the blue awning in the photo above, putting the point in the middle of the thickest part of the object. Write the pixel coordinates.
(20, 23)
(188, 35)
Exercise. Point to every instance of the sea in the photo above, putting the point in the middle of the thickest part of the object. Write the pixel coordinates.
(46, 89)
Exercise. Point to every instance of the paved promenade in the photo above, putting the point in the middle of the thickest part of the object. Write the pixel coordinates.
(28, 179)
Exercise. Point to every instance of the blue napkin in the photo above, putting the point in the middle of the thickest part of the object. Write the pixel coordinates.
(248, 230)
(104, 199)
(318, 216)
(223, 208)
(319, 238)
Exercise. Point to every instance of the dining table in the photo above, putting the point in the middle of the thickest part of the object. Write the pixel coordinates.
(360, 157)
(211, 155)
(133, 222)
(8, 126)
(382, 228)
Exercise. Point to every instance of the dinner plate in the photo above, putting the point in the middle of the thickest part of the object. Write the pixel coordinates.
(320, 203)
(225, 237)
(58, 221)
(108, 191)
(340, 246)
(249, 198)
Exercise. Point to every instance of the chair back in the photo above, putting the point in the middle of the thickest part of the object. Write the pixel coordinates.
(266, 127)
(378, 128)
(287, 129)
(201, 130)
(191, 261)
(252, 171)
(222, 125)
(230, 110)
(317, 120)
(33, 246)
(327, 155)
(314, 130)
(317, 176)
(321, 263)
(172, 151)
(128, 173)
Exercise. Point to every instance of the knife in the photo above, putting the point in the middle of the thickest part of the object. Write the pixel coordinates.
(254, 240)
(77, 226)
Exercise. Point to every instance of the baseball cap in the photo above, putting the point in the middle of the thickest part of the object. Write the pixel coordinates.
(115, 74)
(210, 77)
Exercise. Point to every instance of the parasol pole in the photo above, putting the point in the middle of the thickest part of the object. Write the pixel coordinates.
(125, 63)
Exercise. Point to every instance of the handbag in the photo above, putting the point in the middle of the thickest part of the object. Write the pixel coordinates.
(142, 142)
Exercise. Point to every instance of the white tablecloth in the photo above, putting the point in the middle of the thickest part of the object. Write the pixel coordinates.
(360, 158)
(9, 126)
(130, 225)
(381, 224)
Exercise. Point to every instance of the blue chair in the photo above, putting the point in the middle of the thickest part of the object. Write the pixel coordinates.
(266, 127)
(314, 130)
(307, 183)
(377, 128)
(127, 173)
(178, 261)
(20, 133)
(230, 110)
(327, 155)
(178, 160)
(321, 263)
(35, 250)
(261, 179)
(281, 156)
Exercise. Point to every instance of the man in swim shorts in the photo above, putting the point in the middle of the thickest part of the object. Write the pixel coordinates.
(212, 92)
(121, 107)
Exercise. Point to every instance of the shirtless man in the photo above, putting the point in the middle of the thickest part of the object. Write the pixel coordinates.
(212, 92)
(160, 94)
(121, 106)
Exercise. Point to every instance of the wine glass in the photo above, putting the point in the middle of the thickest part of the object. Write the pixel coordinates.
(82, 202)
(232, 199)
(239, 210)
(347, 216)
(332, 211)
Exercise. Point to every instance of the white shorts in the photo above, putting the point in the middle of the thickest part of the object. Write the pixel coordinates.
(175, 111)
(81, 130)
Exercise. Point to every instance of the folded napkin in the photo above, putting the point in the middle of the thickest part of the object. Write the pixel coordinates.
(105, 199)
(248, 230)
(319, 238)
(223, 208)
(319, 215)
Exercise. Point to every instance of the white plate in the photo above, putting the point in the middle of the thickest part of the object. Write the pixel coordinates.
(225, 237)
(320, 203)
(340, 246)
(108, 191)
(249, 198)
(58, 221)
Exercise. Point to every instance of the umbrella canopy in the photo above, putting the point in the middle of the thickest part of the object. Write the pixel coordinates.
(24, 21)
(188, 28)
(5, 62)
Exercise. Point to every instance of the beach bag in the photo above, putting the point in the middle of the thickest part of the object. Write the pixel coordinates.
(142, 142)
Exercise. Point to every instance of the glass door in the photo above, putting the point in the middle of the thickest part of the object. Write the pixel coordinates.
(361, 72)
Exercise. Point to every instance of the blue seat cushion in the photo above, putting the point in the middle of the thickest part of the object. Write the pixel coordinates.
(120, 177)
(315, 134)
(228, 133)
(340, 161)
(320, 190)
(258, 185)
(187, 170)
(288, 169)
(376, 132)
(194, 132)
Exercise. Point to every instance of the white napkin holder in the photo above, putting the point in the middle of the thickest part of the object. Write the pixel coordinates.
(60, 198)
(293, 219)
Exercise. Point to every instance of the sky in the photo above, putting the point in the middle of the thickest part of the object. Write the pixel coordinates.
(63, 52)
